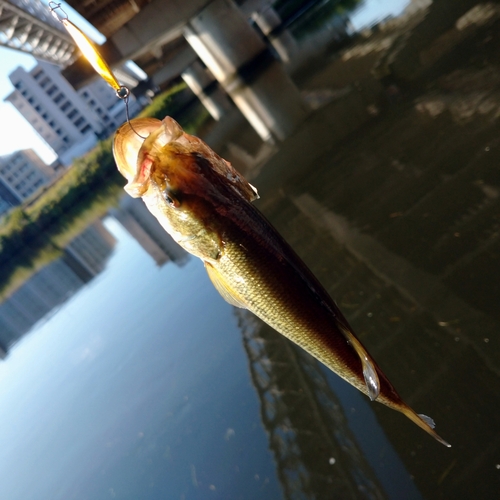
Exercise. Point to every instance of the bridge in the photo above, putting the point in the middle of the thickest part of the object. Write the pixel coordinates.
(165, 38)
(27, 26)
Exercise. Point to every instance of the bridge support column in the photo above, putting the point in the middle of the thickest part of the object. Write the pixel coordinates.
(241, 62)
(207, 89)
(283, 43)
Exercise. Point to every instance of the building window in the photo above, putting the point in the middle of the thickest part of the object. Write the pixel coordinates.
(79, 122)
(65, 106)
(52, 90)
(58, 98)
(44, 82)
(72, 113)
(85, 129)
(38, 74)
(18, 85)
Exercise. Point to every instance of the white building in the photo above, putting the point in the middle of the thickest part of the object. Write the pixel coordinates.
(21, 174)
(69, 120)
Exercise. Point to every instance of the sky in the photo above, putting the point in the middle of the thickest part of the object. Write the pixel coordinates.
(16, 133)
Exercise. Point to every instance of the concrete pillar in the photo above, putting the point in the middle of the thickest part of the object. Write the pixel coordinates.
(283, 42)
(206, 88)
(242, 64)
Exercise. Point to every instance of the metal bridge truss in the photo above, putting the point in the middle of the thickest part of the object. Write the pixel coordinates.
(28, 26)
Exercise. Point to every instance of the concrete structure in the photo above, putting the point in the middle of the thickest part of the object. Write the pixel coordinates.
(69, 121)
(206, 88)
(221, 36)
(138, 221)
(268, 20)
(50, 287)
(27, 25)
(21, 174)
(241, 62)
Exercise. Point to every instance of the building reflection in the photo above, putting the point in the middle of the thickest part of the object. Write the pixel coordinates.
(316, 452)
(138, 221)
(83, 258)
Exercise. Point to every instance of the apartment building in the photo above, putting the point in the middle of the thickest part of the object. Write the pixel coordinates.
(21, 174)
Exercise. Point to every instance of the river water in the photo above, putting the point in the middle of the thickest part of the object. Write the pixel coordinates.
(133, 379)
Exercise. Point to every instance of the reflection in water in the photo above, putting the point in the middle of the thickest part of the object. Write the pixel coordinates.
(316, 453)
(133, 215)
(82, 260)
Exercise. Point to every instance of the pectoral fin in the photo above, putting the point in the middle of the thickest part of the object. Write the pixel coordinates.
(221, 285)
(369, 370)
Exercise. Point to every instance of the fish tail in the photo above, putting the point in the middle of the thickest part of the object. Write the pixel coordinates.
(424, 422)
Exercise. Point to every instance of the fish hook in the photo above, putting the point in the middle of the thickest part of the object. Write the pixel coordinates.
(123, 93)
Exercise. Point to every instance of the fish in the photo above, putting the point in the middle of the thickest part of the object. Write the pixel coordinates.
(206, 206)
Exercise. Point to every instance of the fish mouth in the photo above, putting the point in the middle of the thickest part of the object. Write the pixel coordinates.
(133, 145)
(139, 142)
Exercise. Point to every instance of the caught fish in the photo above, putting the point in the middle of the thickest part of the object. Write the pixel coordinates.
(206, 207)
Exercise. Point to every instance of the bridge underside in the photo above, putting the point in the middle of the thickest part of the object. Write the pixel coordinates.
(35, 32)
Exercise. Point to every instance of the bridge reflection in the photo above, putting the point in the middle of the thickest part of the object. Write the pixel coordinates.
(316, 453)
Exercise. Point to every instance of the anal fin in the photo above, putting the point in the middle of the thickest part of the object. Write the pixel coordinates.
(369, 370)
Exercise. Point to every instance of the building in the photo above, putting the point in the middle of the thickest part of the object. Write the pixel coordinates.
(21, 174)
(70, 121)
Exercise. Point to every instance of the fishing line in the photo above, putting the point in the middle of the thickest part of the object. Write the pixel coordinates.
(93, 56)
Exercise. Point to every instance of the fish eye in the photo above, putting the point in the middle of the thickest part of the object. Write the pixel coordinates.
(171, 198)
